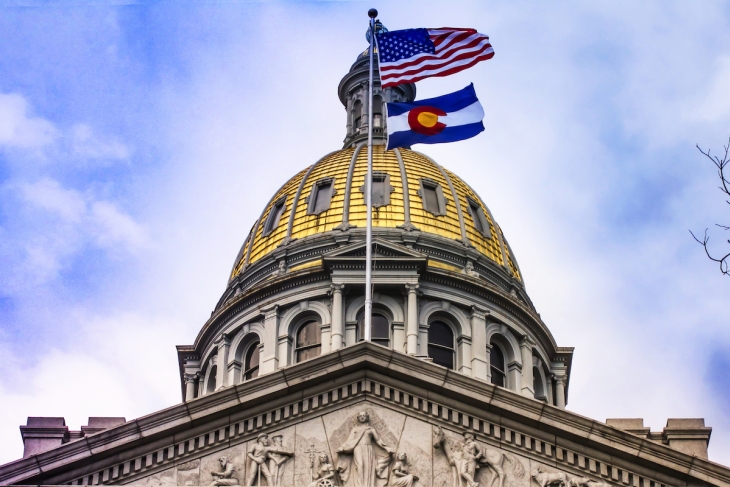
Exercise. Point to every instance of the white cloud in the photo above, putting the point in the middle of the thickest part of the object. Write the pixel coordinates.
(116, 227)
(52, 225)
(20, 130)
(113, 369)
(714, 103)
(48, 195)
(86, 144)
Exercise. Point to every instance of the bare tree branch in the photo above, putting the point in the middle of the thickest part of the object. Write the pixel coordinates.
(721, 164)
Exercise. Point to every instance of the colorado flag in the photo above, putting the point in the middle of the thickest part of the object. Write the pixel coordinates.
(447, 118)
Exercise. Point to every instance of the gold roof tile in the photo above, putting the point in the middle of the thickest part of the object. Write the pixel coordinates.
(337, 167)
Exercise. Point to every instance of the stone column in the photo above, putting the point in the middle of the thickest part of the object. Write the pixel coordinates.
(463, 355)
(412, 325)
(269, 360)
(514, 376)
(526, 345)
(189, 387)
(479, 358)
(338, 325)
(221, 378)
(488, 350)
(560, 391)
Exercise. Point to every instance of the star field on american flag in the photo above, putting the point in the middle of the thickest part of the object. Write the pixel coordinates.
(401, 44)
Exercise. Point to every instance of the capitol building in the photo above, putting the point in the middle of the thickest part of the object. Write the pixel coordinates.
(461, 385)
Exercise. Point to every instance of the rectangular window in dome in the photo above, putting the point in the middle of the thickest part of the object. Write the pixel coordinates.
(321, 196)
(272, 221)
(381, 189)
(378, 190)
(433, 197)
(480, 222)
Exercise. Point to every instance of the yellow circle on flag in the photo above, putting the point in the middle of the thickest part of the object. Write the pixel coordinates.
(428, 119)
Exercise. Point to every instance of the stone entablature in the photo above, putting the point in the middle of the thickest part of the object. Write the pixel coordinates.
(411, 294)
(409, 400)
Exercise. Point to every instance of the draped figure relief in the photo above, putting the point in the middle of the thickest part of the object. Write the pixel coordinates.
(363, 459)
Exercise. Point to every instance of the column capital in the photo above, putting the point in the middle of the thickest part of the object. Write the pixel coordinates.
(412, 288)
(479, 312)
(336, 288)
(527, 341)
(270, 311)
(560, 379)
(224, 339)
(190, 378)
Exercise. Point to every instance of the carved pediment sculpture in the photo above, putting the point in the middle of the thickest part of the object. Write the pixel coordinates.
(265, 460)
(227, 474)
(363, 459)
(466, 456)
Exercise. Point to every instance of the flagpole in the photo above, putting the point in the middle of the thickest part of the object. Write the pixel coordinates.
(372, 13)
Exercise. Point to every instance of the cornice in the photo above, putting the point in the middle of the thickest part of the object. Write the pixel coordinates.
(432, 393)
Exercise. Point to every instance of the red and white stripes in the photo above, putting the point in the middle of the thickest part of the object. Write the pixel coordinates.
(456, 50)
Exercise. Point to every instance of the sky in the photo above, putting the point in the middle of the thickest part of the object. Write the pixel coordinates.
(140, 141)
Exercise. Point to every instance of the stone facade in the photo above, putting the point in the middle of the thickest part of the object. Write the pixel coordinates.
(300, 421)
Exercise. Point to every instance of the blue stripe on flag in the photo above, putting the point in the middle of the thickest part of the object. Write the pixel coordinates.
(448, 103)
(407, 138)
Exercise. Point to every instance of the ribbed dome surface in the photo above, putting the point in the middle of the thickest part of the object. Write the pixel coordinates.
(407, 172)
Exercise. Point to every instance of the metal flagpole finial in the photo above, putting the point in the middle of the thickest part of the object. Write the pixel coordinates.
(372, 13)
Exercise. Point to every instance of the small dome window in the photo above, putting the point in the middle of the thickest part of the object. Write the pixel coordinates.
(496, 364)
(381, 189)
(377, 112)
(433, 197)
(380, 331)
(357, 114)
(309, 341)
(480, 221)
(321, 196)
(251, 362)
(441, 344)
(272, 221)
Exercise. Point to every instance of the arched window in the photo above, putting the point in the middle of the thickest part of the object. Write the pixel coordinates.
(251, 362)
(357, 114)
(210, 386)
(441, 344)
(380, 331)
(309, 341)
(377, 112)
(537, 385)
(496, 364)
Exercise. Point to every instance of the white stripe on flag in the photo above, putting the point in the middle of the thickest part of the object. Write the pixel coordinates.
(472, 114)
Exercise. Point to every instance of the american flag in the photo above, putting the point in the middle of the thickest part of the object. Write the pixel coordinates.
(410, 55)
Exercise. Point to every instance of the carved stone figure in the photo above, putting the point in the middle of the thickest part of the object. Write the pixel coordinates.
(259, 460)
(226, 476)
(544, 478)
(465, 457)
(400, 473)
(469, 269)
(277, 456)
(363, 458)
(324, 475)
(584, 482)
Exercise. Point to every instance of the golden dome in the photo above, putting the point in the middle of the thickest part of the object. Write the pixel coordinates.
(345, 170)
